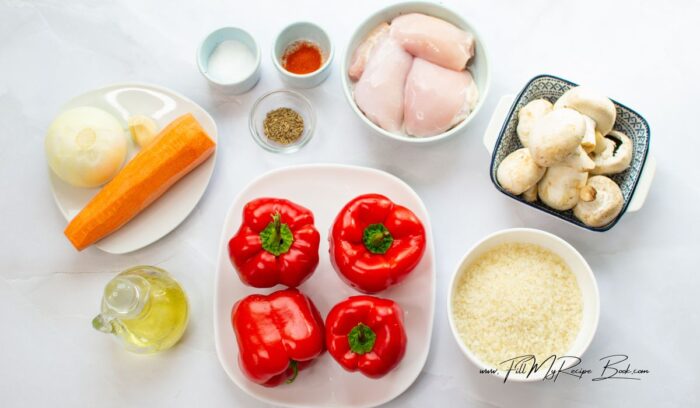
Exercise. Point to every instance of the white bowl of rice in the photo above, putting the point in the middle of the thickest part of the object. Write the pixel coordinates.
(523, 305)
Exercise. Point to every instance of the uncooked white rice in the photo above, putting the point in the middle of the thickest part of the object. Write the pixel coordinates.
(515, 300)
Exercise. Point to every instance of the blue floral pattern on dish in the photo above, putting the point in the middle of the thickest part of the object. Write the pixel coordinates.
(628, 121)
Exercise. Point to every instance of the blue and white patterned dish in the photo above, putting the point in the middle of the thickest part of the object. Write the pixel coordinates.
(628, 121)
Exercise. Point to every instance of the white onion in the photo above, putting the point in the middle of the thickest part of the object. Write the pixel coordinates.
(86, 146)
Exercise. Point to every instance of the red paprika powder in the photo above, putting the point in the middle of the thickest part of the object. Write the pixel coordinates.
(302, 57)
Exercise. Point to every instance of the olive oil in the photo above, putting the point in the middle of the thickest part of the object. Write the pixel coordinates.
(146, 308)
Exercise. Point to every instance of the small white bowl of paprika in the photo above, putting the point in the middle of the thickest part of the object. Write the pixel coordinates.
(303, 54)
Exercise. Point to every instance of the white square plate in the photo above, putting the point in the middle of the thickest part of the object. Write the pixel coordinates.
(325, 189)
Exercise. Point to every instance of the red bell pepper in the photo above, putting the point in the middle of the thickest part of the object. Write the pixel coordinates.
(366, 333)
(278, 335)
(375, 243)
(276, 243)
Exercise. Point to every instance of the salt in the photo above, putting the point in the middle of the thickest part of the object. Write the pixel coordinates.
(231, 61)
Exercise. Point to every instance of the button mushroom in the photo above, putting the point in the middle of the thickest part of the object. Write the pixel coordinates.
(590, 103)
(616, 156)
(555, 136)
(601, 201)
(518, 172)
(530, 195)
(528, 115)
(589, 138)
(579, 160)
(559, 188)
(599, 143)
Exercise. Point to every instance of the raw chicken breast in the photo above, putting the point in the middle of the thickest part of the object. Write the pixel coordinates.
(362, 53)
(434, 40)
(437, 98)
(379, 92)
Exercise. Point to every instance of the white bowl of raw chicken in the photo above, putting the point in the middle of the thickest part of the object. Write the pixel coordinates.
(450, 120)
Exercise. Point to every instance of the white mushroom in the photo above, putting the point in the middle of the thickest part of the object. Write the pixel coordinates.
(579, 160)
(591, 103)
(518, 172)
(555, 136)
(616, 156)
(528, 115)
(599, 143)
(559, 188)
(587, 193)
(530, 195)
(589, 138)
(601, 201)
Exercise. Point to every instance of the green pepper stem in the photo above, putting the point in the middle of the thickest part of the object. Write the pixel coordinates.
(361, 339)
(295, 371)
(276, 238)
(377, 238)
(277, 224)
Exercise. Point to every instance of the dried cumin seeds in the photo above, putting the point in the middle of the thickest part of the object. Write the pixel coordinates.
(283, 125)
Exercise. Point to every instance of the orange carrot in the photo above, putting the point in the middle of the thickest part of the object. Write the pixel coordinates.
(177, 150)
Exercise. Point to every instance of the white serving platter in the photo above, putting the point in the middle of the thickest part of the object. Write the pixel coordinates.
(324, 189)
(162, 216)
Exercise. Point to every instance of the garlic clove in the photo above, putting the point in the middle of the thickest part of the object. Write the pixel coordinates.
(143, 130)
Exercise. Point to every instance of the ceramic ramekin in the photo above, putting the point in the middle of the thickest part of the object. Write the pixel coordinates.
(478, 66)
(208, 46)
(579, 267)
(303, 31)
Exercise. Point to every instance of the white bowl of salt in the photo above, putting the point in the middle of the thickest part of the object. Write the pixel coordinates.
(229, 58)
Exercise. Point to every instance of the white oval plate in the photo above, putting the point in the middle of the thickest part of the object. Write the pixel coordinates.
(324, 189)
(166, 213)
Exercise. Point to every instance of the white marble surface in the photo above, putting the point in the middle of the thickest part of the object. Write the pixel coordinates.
(642, 52)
